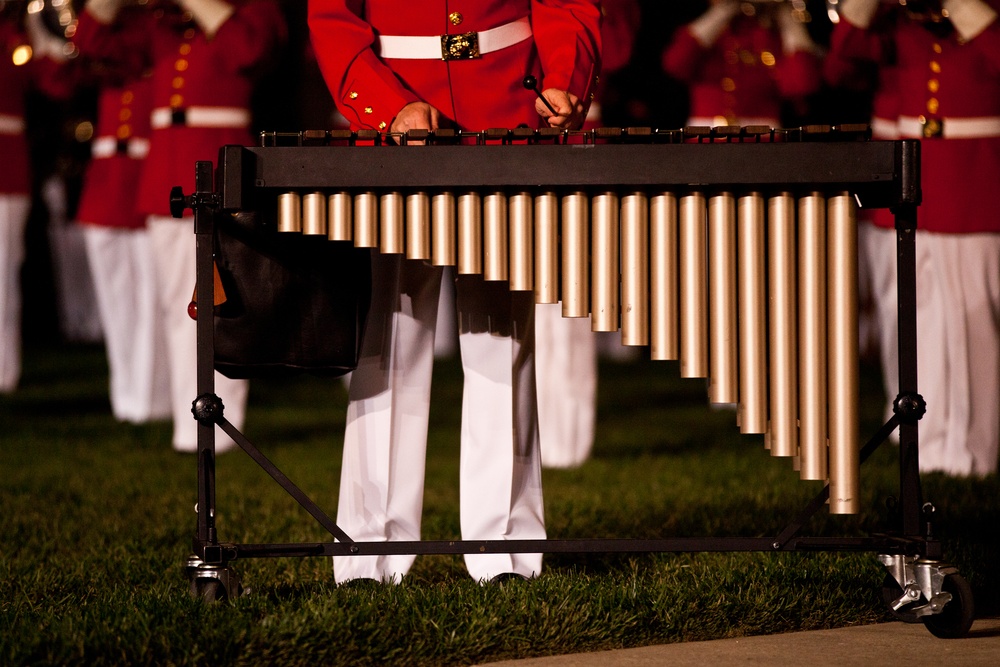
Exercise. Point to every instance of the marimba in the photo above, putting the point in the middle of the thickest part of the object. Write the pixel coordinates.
(732, 250)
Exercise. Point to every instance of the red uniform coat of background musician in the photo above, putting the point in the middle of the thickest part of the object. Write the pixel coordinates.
(14, 81)
(186, 74)
(941, 78)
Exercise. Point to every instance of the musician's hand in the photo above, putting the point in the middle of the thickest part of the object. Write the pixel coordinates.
(416, 116)
(569, 109)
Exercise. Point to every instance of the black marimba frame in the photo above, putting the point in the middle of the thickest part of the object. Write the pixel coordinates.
(880, 174)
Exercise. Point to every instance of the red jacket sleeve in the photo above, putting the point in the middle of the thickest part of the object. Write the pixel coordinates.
(568, 38)
(343, 45)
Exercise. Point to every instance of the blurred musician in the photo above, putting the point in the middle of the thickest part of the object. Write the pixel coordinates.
(115, 234)
(566, 349)
(876, 228)
(15, 185)
(26, 62)
(745, 63)
(205, 57)
(946, 57)
(383, 63)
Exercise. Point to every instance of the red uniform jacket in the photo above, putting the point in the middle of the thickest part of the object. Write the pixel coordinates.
(744, 74)
(942, 79)
(15, 176)
(473, 94)
(190, 70)
(121, 134)
(111, 181)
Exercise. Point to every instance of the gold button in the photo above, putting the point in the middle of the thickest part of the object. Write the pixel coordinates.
(124, 114)
(937, 48)
(368, 109)
(176, 101)
(933, 85)
(728, 84)
(178, 82)
(189, 33)
(185, 49)
(731, 57)
(353, 95)
(124, 132)
(181, 65)
(455, 18)
(935, 67)
(767, 58)
(932, 105)
(746, 57)
(381, 125)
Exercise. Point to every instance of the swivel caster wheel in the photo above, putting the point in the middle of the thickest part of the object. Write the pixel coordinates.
(928, 592)
(955, 619)
(215, 583)
(209, 590)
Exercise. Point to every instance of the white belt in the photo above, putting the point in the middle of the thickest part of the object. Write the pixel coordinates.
(200, 117)
(950, 128)
(454, 47)
(11, 124)
(883, 128)
(744, 121)
(136, 148)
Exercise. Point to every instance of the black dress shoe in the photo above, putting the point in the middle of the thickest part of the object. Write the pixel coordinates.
(505, 577)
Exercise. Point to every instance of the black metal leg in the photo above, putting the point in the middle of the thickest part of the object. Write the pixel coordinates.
(203, 404)
(909, 404)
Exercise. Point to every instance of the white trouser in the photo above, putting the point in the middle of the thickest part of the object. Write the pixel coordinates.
(878, 253)
(79, 320)
(14, 210)
(382, 480)
(566, 376)
(958, 348)
(868, 324)
(173, 246)
(446, 335)
(121, 264)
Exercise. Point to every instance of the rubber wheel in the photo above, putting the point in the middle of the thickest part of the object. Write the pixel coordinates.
(208, 589)
(890, 593)
(956, 618)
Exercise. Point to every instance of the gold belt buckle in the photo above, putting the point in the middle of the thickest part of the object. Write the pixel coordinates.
(933, 127)
(460, 47)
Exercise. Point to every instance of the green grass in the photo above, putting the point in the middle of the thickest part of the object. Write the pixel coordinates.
(96, 520)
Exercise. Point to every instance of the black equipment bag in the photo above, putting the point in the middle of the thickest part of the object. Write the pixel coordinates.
(294, 303)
